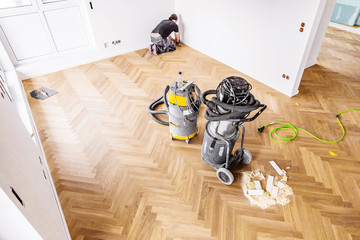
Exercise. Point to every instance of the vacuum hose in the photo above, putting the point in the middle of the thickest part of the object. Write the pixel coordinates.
(157, 102)
(230, 112)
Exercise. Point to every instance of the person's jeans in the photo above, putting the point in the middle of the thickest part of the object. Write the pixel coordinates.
(162, 44)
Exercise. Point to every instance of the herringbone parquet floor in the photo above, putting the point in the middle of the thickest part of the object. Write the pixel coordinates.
(119, 176)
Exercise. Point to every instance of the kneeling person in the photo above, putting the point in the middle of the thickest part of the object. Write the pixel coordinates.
(160, 37)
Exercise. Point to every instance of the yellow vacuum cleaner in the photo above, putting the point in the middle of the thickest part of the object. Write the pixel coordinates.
(182, 99)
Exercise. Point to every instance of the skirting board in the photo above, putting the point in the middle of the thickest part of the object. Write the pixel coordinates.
(310, 64)
(31, 70)
(355, 29)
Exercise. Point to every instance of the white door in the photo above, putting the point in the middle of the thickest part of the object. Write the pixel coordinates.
(25, 177)
(38, 29)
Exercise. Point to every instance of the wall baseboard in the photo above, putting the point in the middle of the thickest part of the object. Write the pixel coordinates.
(31, 70)
(310, 64)
(351, 29)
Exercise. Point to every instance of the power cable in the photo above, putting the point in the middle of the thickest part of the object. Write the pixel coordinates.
(294, 130)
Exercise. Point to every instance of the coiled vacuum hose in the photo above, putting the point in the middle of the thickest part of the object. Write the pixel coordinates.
(234, 112)
(157, 102)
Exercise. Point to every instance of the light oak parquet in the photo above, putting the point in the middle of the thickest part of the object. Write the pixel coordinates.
(119, 176)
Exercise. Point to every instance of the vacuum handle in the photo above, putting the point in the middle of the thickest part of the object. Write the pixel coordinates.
(186, 86)
(198, 92)
(263, 107)
(166, 90)
(203, 96)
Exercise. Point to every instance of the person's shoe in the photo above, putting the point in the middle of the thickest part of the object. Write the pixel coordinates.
(154, 50)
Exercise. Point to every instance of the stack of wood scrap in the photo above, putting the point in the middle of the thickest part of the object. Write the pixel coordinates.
(265, 190)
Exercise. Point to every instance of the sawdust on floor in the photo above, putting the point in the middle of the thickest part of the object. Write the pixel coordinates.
(266, 200)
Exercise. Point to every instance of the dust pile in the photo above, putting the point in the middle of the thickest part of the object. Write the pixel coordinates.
(274, 190)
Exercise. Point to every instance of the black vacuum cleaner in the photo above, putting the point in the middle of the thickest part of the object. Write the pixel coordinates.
(227, 110)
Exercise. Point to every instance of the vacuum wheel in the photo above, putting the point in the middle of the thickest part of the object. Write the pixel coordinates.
(225, 176)
(247, 157)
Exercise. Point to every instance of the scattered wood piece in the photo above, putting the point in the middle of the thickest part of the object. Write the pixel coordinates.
(284, 177)
(276, 167)
(265, 199)
(258, 176)
(256, 192)
(280, 185)
(274, 192)
(257, 185)
(269, 183)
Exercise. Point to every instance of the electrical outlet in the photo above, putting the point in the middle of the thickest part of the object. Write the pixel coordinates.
(116, 42)
(112, 43)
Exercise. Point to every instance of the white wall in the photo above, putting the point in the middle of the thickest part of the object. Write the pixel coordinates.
(5, 61)
(259, 38)
(129, 21)
(320, 33)
(13, 224)
(109, 20)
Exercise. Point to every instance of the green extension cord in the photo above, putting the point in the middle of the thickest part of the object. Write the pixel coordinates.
(294, 130)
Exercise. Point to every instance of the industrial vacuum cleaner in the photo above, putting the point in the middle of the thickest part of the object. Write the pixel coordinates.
(227, 110)
(182, 99)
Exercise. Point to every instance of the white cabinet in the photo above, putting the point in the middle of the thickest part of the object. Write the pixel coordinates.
(11, 219)
(25, 176)
(25, 35)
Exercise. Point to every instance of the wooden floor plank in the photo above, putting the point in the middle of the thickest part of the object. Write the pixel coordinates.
(119, 176)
